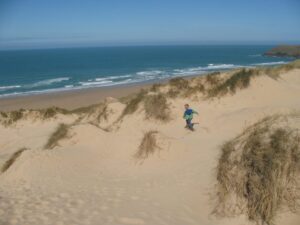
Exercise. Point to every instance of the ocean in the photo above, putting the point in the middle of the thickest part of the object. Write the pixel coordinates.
(26, 72)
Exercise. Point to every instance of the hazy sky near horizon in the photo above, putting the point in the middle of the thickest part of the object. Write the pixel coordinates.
(67, 23)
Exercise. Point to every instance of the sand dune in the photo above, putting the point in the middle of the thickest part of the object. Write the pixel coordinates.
(92, 175)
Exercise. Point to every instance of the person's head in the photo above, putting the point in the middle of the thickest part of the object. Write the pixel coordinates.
(186, 106)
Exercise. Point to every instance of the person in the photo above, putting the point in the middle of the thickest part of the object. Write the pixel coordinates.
(188, 116)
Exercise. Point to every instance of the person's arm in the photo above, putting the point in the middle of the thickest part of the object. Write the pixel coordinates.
(195, 112)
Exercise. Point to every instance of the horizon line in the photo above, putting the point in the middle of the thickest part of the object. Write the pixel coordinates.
(228, 43)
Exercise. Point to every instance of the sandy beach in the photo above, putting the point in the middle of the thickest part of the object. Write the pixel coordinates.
(68, 99)
(134, 163)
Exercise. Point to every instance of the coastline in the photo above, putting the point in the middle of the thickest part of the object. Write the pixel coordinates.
(70, 99)
(76, 98)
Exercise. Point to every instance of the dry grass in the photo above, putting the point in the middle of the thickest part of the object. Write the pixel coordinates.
(9, 118)
(179, 83)
(275, 72)
(133, 103)
(193, 90)
(180, 87)
(87, 110)
(238, 80)
(257, 172)
(102, 114)
(148, 145)
(213, 79)
(51, 112)
(156, 87)
(241, 79)
(60, 133)
(12, 160)
(177, 86)
(156, 107)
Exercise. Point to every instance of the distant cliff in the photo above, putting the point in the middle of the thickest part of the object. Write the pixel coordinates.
(285, 50)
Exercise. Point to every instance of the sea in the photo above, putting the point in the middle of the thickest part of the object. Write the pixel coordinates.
(28, 72)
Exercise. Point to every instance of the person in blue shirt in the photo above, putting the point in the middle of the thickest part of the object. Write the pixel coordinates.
(188, 116)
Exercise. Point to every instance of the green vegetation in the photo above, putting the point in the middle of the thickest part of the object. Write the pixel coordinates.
(60, 133)
(179, 83)
(12, 160)
(177, 86)
(148, 145)
(51, 112)
(257, 171)
(156, 87)
(156, 107)
(213, 79)
(238, 80)
(133, 103)
(285, 50)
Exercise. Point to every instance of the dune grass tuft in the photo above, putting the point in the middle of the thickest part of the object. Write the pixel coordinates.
(133, 103)
(179, 83)
(257, 172)
(148, 145)
(13, 116)
(177, 86)
(213, 79)
(156, 107)
(238, 80)
(52, 112)
(60, 133)
(3, 114)
(12, 160)
(156, 87)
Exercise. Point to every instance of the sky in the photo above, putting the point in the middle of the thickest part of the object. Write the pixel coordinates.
(77, 23)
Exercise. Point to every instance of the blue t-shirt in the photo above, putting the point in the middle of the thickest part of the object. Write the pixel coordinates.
(188, 114)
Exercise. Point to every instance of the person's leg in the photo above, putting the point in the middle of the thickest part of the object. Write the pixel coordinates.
(190, 124)
(187, 124)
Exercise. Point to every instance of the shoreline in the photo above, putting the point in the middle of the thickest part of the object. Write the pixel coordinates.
(72, 99)
(76, 98)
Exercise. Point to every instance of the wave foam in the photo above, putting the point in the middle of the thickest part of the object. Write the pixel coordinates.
(9, 87)
(269, 63)
(137, 77)
(111, 78)
(47, 82)
(95, 83)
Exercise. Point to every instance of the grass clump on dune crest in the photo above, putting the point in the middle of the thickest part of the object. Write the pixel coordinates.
(241, 79)
(180, 87)
(156, 107)
(213, 79)
(275, 72)
(60, 133)
(177, 86)
(148, 145)
(86, 109)
(51, 112)
(179, 83)
(8, 118)
(12, 160)
(238, 80)
(257, 172)
(133, 103)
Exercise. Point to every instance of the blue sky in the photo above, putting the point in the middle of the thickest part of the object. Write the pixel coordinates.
(67, 23)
